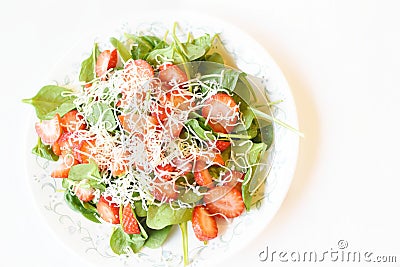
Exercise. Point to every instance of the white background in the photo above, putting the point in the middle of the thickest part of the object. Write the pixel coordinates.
(342, 62)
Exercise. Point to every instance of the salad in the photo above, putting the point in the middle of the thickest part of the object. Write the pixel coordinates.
(159, 132)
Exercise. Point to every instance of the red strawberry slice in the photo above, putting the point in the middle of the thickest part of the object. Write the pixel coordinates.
(85, 194)
(225, 200)
(141, 68)
(204, 225)
(222, 112)
(85, 151)
(62, 170)
(105, 61)
(222, 145)
(233, 178)
(56, 148)
(72, 121)
(164, 170)
(165, 191)
(171, 76)
(164, 66)
(203, 178)
(108, 211)
(49, 130)
(218, 159)
(129, 222)
(69, 145)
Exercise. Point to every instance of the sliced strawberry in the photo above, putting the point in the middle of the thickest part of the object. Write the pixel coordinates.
(173, 128)
(113, 59)
(165, 191)
(129, 222)
(204, 225)
(85, 194)
(222, 112)
(164, 171)
(49, 130)
(171, 76)
(72, 121)
(69, 145)
(56, 148)
(164, 66)
(233, 178)
(222, 145)
(141, 68)
(62, 170)
(105, 61)
(225, 200)
(108, 211)
(203, 178)
(85, 151)
(218, 159)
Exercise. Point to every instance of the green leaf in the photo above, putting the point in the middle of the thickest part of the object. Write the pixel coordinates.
(75, 204)
(84, 171)
(189, 196)
(102, 113)
(193, 52)
(256, 150)
(44, 151)
(121, 48)
(119, 241)
(265, 135)
(157, 237)
(139, 209)
(199, 131)
(203, 41)
(88, 66)
(137, 242)
(159, 217)
(245, 189)
(214, 57)
(50, 100)
(143, 45)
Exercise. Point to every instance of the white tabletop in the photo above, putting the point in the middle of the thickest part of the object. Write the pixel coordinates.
(342, 61)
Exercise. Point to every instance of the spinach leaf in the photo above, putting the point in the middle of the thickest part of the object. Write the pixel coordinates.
(189, 196)
(121, 48)
(245, 189)
(139, 209)
(255, 152)
(200, 132)
(160, 216)
(157, 237)
(50, 100)
(143, 45)
(193, 52)
(214, 57)
(119, 241)
(88, 66)
(86, 209)
(265, 135)
(102, 113)
(84, 171)
(44, 151)
(203, 41)
(89, 172)
(136, 242)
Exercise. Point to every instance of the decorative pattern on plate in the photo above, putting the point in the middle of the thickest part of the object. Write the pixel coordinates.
(91, 240)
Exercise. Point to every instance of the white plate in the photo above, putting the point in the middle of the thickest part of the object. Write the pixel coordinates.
(91, 241)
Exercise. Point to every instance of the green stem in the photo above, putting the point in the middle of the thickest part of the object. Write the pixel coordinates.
(279, 122)
(183, 227)
(238, 136)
